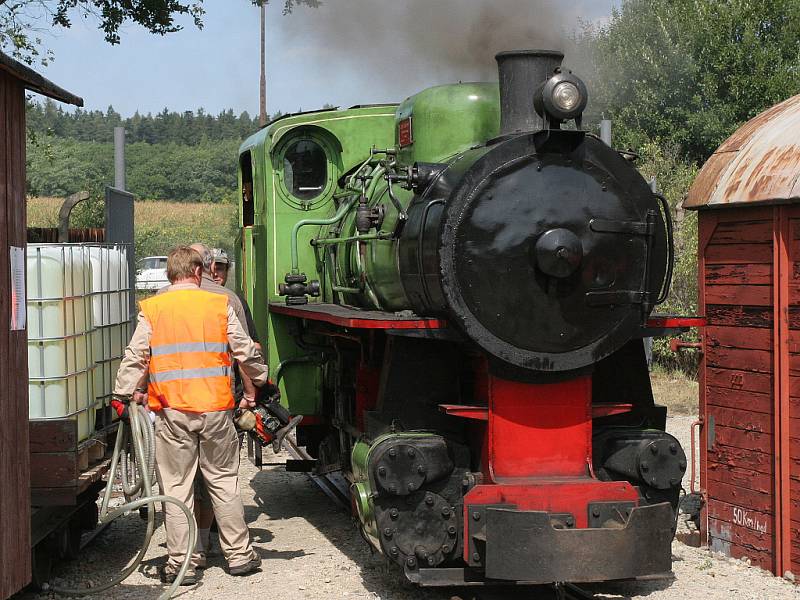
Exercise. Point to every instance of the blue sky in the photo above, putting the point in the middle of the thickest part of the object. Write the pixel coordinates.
(313, 57)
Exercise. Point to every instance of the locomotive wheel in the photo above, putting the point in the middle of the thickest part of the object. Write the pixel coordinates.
(41, 566)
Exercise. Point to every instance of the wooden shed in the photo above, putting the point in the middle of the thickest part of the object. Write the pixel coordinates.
(15, 548)
(748, 201)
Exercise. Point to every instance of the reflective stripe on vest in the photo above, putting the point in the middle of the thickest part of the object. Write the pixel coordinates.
(190, 365)
(189, 347)
(189, 374)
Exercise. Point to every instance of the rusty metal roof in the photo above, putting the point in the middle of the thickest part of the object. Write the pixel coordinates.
(35, 82)
(758, 163)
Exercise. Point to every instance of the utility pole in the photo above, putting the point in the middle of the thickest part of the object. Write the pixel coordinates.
(262, 119)
(119, 158)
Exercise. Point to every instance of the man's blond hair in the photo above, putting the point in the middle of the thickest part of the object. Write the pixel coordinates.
(182, 263)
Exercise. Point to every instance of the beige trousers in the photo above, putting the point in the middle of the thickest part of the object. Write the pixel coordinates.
(184, 442)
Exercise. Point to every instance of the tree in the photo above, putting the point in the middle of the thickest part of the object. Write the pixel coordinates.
(22, 20)
(689, 72)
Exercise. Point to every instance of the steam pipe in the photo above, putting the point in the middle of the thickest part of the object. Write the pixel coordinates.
(340, 214)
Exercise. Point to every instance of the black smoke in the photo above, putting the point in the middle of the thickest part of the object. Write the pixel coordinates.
(442, 40)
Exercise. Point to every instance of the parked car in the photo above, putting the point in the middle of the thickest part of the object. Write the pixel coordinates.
(151, 273)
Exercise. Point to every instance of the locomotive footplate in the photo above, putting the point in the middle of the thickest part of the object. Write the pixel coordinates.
(525, 546)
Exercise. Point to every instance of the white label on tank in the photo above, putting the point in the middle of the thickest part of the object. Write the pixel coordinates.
(17, 258)
(750, 520)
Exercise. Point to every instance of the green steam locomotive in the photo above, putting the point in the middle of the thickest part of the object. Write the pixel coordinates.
(453, 293)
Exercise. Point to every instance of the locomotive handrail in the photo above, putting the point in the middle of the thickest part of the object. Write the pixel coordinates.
(667, 285)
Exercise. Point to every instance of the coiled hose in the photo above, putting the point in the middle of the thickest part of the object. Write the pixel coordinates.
(137, 477)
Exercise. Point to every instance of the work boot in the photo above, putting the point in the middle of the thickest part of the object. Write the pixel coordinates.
(168, 576)
(249, 567)
(277, 442)
(200, 561)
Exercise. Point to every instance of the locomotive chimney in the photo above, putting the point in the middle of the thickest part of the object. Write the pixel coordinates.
(521, 74)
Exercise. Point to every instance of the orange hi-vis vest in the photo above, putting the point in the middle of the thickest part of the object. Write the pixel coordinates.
(190, 365)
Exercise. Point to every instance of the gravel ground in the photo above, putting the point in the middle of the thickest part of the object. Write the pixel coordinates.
(311, 550)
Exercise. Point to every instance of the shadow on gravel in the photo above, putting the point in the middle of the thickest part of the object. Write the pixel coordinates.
(284, 495)
(625, 590)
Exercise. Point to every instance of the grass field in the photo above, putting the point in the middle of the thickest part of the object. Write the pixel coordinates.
(679, 393)
(159, 225)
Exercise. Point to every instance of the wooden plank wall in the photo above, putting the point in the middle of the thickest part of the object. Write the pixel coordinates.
(737, 386)
(794, 386)
(15, 568)
(744, 255)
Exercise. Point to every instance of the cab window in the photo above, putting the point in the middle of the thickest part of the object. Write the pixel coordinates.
(305, 169)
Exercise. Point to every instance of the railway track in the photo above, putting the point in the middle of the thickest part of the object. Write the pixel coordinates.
(333, 485)
(337, 489)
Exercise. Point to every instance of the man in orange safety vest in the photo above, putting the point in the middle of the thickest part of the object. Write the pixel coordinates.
(182, 346)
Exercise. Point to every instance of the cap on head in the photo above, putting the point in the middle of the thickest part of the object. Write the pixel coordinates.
(220, 256)
(206, 254)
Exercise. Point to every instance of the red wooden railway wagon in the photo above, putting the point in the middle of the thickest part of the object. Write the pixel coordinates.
(748, 201)
(15, 501)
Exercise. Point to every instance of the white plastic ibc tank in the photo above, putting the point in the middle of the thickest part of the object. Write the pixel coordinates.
(60, 350)
(101, 377)
(97, 386)
(118, 340)
(57, 271)
(110, 285)
(116, 308)
(98, 258)
(124, 281)
(58, 318)
(59, 357)
(58, 280)
(63, 397)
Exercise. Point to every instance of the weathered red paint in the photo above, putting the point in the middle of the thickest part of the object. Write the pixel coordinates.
(479, 413)
(608, 410)
(352, 318)
(659, 322)
(539, 430)
(676, 345)
(556, 495)
(343, 316)
(782, 486)
(539, 449)
(749, 290)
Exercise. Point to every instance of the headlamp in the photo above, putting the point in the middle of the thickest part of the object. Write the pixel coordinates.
(566, 96)
(562, 97)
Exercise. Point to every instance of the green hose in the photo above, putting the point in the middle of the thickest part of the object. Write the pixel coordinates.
(139, 436)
